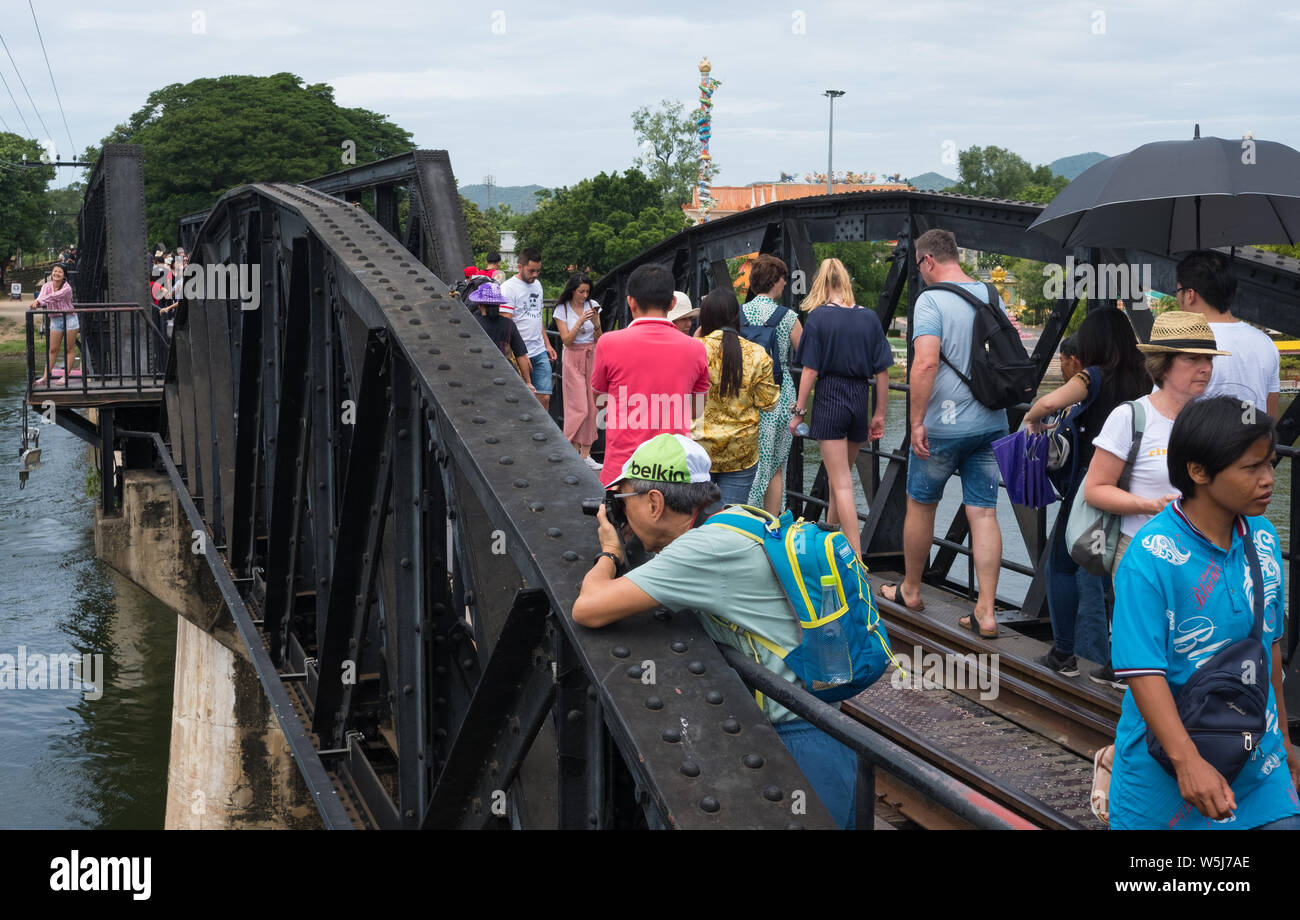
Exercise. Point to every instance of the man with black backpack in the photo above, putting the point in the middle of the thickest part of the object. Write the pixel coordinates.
(968, 365)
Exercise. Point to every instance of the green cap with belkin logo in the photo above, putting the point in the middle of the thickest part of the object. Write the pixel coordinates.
(667, 458)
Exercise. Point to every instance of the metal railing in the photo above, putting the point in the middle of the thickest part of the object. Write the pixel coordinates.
(120, 347)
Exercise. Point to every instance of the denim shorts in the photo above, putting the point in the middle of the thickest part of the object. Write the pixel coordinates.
(970, 456)
(64, 323)
(541, 372)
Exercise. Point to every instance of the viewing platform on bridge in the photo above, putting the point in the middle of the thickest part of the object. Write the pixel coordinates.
(117, 357)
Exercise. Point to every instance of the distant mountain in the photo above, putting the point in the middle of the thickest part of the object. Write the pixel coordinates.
(931, 182)
(521, 198)
(1070, 167)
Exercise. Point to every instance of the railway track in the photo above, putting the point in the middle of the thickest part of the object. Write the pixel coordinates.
(1005, 726)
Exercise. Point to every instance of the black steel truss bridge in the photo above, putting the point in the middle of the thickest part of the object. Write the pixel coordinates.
(383, 497)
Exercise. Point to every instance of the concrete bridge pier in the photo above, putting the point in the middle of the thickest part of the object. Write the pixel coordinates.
(230, 766)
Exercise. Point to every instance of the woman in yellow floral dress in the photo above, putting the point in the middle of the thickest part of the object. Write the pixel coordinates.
(741, 386)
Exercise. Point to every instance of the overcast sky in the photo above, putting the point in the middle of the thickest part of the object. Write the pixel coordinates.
(541, 92)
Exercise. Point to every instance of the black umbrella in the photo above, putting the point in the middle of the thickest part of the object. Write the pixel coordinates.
(1174, 196)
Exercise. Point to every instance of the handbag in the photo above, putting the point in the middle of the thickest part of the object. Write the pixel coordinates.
(1092, 534)
(1224, 706)
(1062, 430)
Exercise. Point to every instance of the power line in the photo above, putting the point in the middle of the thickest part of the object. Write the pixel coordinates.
(51, 73)
(26, 127)
(23, 83)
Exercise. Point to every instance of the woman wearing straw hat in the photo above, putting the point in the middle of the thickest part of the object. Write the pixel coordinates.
(1180, 359)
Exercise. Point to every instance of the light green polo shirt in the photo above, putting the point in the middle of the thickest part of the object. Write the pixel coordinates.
(712, 570)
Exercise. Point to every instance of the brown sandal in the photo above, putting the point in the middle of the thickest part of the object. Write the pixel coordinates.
(974, 626)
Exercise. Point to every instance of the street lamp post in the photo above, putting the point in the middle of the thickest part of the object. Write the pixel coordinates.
(830, 135)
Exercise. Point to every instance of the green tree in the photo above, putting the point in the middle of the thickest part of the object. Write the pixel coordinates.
(670, 150)
(600, 222)
(482, 233)
(995, 172)
(65, 203)
(24, 219)
(204, 137)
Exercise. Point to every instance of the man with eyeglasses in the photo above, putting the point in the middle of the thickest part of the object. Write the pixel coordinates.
(1251, 373)
(952, 432)
(724, 576)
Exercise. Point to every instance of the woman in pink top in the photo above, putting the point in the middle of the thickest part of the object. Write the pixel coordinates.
(56, 294)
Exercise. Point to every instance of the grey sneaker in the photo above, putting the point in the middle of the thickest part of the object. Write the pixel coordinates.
(592, 464)
(1104, 675)
(1065, 665)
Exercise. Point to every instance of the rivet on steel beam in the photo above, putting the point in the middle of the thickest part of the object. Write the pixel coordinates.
(402, 434)
(653, 702)
(570, 556)
(672, 735)
(591, 692)
(323, 580)
(773, 793)
(526, 417)
(731, 726)
(467, 663)
(792, 826)
(506, 460)
(679, 646)
(714, 697)
(695, 667)
(521, 483)
(406, 562)
(620, 651)
(574, 715)
(753, 761)
(709, 804)
(408, 689)
(554, 532)
(496, 381)
(690, 768)
(634, 672)
(479, 420)
(536, 507)
(571, 480)
(511, 398)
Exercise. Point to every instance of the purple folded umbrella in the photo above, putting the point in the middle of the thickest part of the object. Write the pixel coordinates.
(1022, 458)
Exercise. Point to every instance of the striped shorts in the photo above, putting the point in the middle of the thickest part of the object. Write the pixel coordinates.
(841, 409)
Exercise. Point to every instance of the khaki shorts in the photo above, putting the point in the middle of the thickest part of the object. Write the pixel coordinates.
(1121, 547)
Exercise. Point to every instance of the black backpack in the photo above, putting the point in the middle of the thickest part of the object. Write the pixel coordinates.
(765, 335)
(1001, 373)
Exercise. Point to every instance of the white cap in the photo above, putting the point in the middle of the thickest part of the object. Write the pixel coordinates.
(681, 307)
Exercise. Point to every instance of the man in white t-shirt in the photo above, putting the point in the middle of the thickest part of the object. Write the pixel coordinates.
(1206, 285)
(524, 293)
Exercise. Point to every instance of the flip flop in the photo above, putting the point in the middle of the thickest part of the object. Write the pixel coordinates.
(898, 597)
(975, 627)
(1100, 797)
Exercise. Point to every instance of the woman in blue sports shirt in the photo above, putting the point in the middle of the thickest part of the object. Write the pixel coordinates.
(1183, 593)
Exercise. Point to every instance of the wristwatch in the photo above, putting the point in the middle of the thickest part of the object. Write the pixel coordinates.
(618, 563)
(798, 411)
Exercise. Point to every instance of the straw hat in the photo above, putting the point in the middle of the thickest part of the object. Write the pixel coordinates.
(1180, 332)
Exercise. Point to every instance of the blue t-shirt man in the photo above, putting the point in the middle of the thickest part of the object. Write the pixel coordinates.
(1179, 601)
(952, 406)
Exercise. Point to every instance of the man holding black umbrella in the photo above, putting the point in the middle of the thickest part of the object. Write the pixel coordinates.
(1206, 285)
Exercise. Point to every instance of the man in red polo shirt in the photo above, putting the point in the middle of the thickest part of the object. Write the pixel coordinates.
(649, 371)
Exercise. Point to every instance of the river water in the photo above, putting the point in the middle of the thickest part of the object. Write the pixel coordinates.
(66, 760)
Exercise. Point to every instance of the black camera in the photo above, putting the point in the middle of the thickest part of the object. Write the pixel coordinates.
(613, 509)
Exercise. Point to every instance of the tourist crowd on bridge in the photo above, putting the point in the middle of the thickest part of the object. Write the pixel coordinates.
(699, 407)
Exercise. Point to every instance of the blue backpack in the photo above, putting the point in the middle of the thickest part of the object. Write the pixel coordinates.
(765, 336)
(801, 553)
